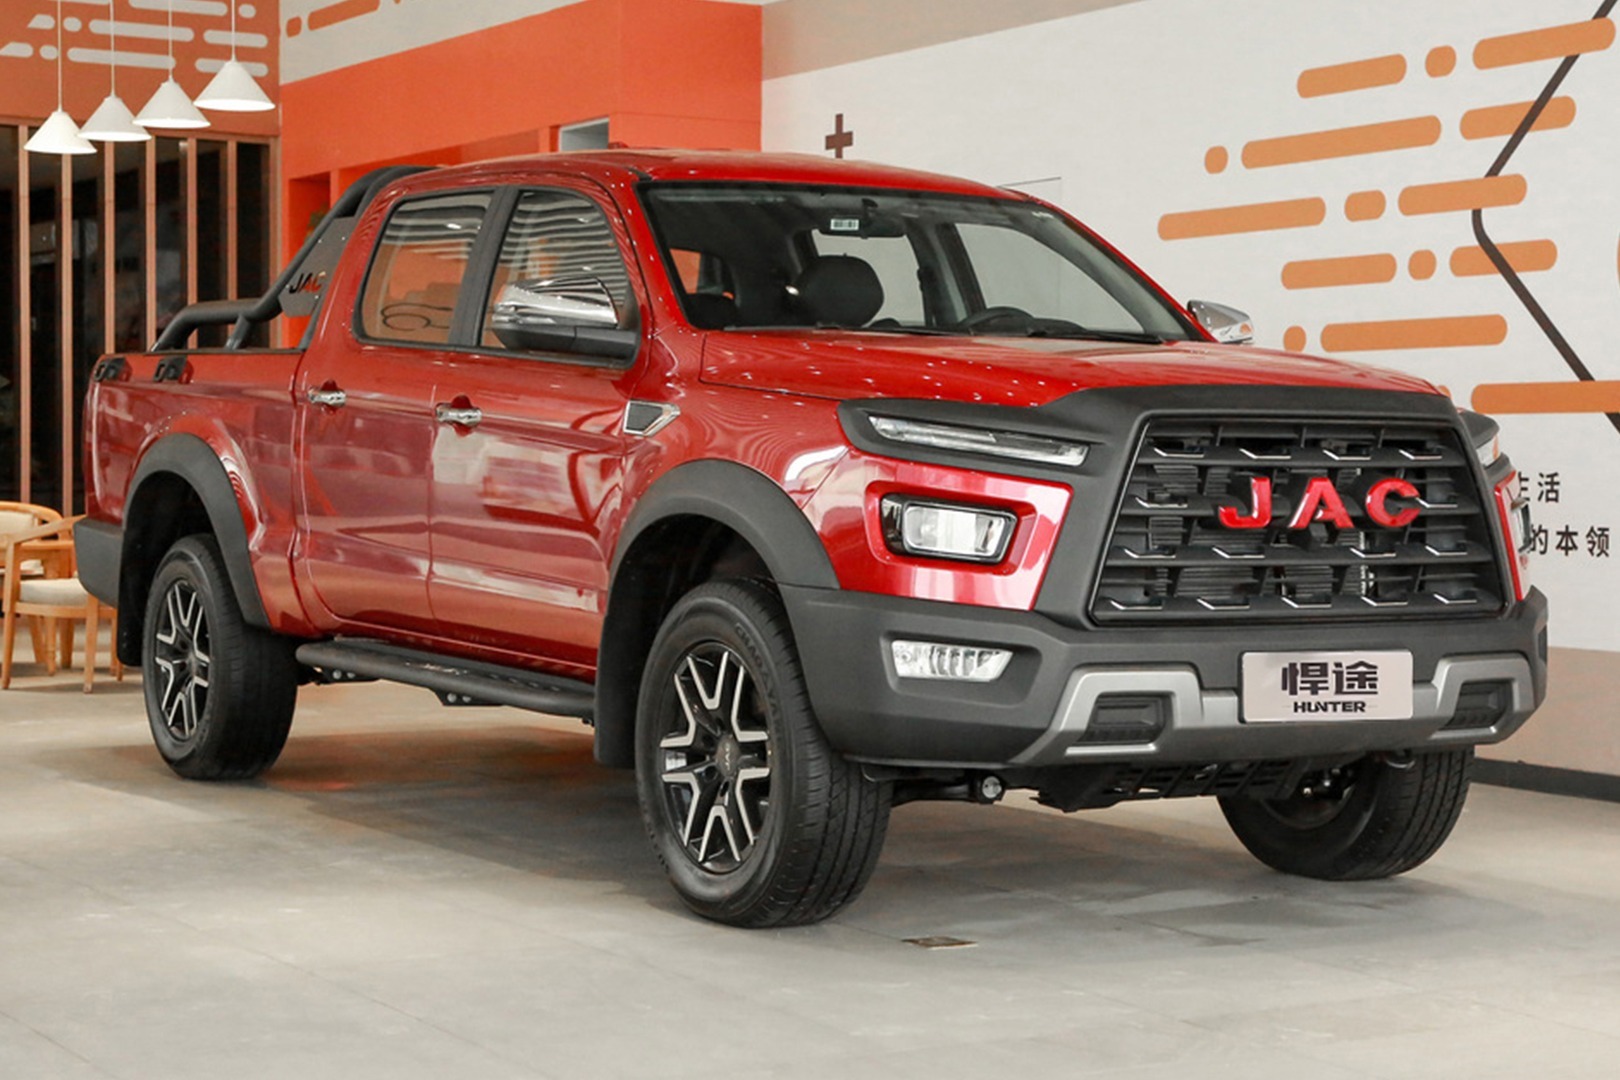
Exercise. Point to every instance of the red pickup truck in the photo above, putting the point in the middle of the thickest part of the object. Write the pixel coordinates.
(815, 487)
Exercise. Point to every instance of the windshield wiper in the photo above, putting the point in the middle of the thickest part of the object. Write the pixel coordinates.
(926, 331)
(1139, 337)
(921, 330)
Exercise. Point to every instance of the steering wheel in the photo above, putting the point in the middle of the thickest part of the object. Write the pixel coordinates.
(996, 313)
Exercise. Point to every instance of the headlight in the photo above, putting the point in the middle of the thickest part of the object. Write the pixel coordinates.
(943, 531)
(1005, 444)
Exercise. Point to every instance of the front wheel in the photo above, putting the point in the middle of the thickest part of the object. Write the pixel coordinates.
(219, 693)
(1373, 818)
(757, 821)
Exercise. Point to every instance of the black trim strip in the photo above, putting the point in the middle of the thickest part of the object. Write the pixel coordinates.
(483, 684)
(1523, 776)
(1503, 267)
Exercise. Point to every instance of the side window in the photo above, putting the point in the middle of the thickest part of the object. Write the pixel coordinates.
(896, 265)
(411, 289)
(559, 264)
(1017, 270)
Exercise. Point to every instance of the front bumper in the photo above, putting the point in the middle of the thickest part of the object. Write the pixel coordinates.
(1039, 711)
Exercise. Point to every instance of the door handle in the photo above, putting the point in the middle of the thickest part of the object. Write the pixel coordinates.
(466, 416)
(328, 396)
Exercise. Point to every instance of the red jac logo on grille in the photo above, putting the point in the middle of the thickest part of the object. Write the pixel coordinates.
(1321, 501)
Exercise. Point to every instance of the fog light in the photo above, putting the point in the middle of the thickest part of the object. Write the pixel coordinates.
(946, 532)
(962, 663)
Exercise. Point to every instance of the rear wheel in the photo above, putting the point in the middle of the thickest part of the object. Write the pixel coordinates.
(1373, 818)
(219, 693)
(754, 817)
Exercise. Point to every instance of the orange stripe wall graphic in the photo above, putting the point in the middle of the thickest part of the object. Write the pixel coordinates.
(1463, 198)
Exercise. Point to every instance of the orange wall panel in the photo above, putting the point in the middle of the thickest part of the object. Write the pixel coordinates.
(28, 46)
(682, 68)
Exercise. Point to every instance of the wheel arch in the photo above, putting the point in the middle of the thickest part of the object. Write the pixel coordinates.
(702, 520)
(180, 487)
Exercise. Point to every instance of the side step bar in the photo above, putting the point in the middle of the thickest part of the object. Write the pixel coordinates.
(456, 681)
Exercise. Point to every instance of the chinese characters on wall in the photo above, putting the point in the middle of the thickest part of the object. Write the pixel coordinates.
(1563, 537)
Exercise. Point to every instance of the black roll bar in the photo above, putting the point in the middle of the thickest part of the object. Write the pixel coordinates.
(247, 313)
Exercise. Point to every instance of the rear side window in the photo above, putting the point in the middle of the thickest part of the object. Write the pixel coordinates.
(415, 276)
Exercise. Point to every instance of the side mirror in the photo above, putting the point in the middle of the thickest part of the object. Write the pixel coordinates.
(1225, 324)
(575, 315)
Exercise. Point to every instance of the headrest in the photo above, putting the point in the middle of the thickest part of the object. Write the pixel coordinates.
(840, 289)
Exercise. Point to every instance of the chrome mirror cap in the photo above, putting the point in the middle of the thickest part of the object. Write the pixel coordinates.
(1225, 324)
(577, 301)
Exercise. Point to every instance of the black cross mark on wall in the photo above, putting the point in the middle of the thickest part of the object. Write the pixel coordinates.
(840, 140)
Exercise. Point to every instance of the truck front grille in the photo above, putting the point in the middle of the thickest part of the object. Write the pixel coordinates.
(1171, 559)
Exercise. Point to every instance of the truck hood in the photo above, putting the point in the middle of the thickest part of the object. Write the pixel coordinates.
(1006, 371)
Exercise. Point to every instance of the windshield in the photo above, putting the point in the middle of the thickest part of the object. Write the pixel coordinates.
(769, 255)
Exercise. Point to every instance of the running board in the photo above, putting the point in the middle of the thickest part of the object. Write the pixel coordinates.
(456, 681)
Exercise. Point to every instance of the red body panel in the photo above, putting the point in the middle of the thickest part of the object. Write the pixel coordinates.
(240, 406)
(845, 513)
(1005, 371)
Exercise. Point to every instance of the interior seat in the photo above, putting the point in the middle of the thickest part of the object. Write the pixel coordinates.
(841, 290)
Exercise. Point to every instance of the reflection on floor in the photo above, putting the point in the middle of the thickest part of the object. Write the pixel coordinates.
(419, 892)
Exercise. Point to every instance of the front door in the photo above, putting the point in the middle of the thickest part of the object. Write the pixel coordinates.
(527, 453)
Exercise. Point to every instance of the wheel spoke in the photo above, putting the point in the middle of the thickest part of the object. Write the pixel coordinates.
(698, 817)
(169, 696)
(739, 800)
(690, 713)
(719, 826)
(171, 623)
(188, 710)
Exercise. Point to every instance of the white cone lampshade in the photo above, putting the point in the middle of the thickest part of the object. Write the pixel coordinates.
(233, 90)
(58, 135)
(113, 122)
(170, 108)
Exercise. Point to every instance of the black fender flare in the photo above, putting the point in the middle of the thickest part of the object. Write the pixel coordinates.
(735, 496)
(745, 501)
(192, 460)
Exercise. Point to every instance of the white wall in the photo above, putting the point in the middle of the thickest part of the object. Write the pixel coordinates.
(1122, 104)
(1112, 113)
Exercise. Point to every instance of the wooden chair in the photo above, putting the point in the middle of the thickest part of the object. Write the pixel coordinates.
(55, 596)
(15, 517)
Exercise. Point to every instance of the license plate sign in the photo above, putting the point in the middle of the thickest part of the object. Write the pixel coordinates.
(1292, 686)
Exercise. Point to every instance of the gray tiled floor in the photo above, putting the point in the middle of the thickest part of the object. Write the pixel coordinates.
(418, 892)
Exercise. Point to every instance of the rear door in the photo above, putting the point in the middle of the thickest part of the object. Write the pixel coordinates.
(528, 449)
(365, 397)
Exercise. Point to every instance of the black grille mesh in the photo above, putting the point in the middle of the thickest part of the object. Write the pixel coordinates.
(1169, 558)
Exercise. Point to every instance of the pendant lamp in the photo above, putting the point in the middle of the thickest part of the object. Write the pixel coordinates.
(233, 88)
(112, 121)
(58, 134)
(169, 106)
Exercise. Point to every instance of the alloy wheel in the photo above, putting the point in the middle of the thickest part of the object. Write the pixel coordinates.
(716, 759)
(183, 659)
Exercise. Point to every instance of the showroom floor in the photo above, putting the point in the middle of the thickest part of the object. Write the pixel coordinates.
(419, 892)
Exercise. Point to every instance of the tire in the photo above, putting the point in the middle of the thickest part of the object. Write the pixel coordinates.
(1371, 819)
(219, 693)
(756, 820)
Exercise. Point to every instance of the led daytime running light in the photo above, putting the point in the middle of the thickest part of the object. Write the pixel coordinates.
(1017, 446)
